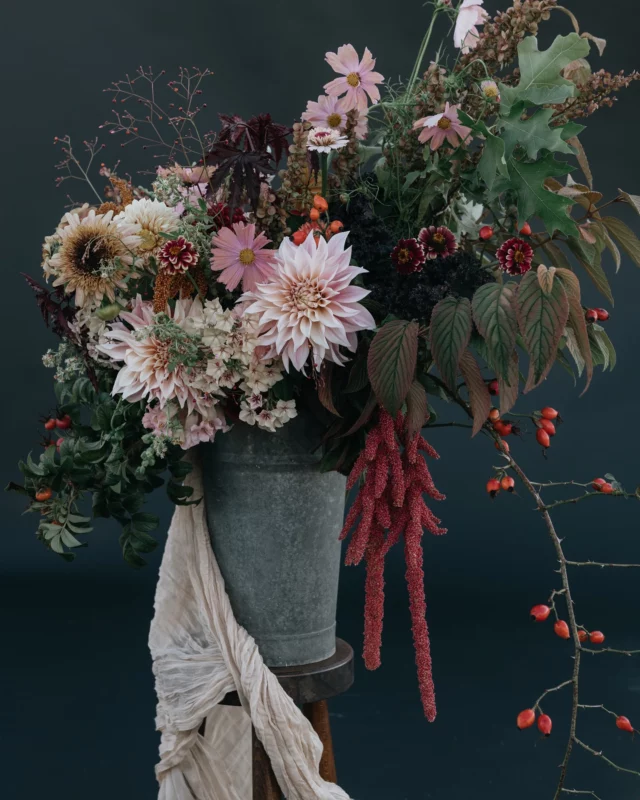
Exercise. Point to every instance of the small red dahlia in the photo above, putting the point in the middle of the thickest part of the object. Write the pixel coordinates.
(408, 256)
(177, 256)
(221, 216)
(437, 242)
(515, 256)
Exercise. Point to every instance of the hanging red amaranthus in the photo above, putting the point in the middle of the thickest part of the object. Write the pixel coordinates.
(390, 503)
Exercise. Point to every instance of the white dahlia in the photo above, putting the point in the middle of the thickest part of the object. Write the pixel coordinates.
(150, 351)
(309, 304)
(94, 256)
(149, 219)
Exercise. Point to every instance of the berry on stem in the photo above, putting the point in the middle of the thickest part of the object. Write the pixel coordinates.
(582, 636)
(549, 413)
(540, 613)
(503, 428)
(493, 387)
(320, 203)
(336, 226)
(603, 314)
(43, 495)
(502, 446)
(545, 724)
(596, 637)
(542, 437)
(64, 423)
(598, 483)
(494, 415)
(50, 424)
(547, 426)
(526, 718)
(525, 230)
(561, 629)
(624, 724)
(493, 487)
(485, 232)
(314, 215)
(507, 483)
(591, 315)
(607, 488)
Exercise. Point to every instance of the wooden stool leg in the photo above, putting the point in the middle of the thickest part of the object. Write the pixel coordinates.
(318, 716)
(265, 785)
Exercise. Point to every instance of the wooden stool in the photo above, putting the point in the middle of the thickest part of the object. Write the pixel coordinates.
(310, 686)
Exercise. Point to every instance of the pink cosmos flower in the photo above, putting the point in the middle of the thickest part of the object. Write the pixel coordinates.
(328, 112)
(442, 126)
(309, 306)
(490, 90)
(240, 255)
(470, 14)
(359, 79)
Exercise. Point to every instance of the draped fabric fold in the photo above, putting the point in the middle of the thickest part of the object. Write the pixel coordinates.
(200, 653)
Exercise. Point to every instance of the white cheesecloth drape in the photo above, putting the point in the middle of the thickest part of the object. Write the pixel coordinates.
(199, 654)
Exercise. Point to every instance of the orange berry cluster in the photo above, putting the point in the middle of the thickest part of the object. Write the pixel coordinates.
(316, 225)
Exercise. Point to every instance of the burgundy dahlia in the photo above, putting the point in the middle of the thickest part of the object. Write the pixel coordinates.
(222, 216)
(515, 256)
(437, 242)
(177, 256)
(408, 256)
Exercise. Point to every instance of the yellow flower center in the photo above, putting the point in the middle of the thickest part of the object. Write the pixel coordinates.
(247, 256)
(148, 240)
(518, 256)
(404, 255)
(175, 250)
(444, 123)
(334, 120)
(490, 91)
(353, 79)
(438, 238)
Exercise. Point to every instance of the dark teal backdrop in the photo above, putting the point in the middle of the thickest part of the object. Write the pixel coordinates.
(77, 709)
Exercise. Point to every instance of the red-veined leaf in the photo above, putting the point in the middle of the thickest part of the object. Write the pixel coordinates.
(625, 237)
(392, 362)
(510, 387)
(589, 259)
(479, 396)
(449, 335)
(495, 318)
(577, 321)
(541, 318)
(417, 409)
(325, 393)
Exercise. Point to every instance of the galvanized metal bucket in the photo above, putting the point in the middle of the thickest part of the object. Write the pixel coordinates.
(274, 522)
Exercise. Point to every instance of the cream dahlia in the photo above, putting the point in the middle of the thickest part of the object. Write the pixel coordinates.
(155, 355)
(309, 304)
(95, 256)
(149, 219)
(324, 140)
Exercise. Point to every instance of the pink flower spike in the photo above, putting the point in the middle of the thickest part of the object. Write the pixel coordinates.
(240, 255)
(359, 78)
(442, 127)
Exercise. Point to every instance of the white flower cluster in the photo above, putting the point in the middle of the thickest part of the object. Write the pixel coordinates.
(66, 363)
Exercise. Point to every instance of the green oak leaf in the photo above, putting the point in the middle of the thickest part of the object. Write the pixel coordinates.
(540, 80)
(532, 134)
(526, 180)
(492, 162)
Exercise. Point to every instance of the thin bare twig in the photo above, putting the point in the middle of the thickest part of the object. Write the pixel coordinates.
(608, 761)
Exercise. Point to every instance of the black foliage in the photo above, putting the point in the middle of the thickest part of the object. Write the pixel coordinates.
(414, 296)
(256, 135)
(371, 238)
(54, 306)
(245, 171)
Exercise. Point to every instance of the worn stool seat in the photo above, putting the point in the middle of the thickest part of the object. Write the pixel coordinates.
(310, 686)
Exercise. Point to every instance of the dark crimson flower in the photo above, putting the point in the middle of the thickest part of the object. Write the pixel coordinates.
(222, 218)
(515, 256)
(408, 256)
(437, 242)
(177, 256)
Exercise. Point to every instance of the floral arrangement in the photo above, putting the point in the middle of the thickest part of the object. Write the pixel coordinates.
(399, 245)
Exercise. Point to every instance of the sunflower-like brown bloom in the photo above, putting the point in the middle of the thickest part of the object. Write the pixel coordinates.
(95, 257)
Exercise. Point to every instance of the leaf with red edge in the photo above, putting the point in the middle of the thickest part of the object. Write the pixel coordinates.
(509, 388)
(449, 335)
(577, 321)
(479, 396)
(417, 409)
(325, 387)
(625, 237)
(495, 318)
(541, 319)
(391, 362)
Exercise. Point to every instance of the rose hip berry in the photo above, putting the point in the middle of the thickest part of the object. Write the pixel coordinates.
(494, 415)
(549, 413)
(502, 446)
(603, 314)
(540, 613)
(64, 423)
(596, 637)
(493, 387)
(507, 483)
(320, 203)
(545, 724)
(50, 424)
(547, 426)
(493, 487)
(561, 629)
(503, 428)
(43, 495)
(582, 636)
(624, 724)
(485, 232)
(598, 483)
(542, 437)
(526, 718)
(606, 488)
(525, 230)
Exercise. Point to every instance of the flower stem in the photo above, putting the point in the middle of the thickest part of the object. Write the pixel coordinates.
(324, 168)
(421, 52)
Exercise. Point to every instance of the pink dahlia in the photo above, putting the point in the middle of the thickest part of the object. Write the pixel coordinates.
(177, 256)
(442, 126)
(359, 78)
(437, 242)
(408, 256)
(515, 256)
(309, 305)
(144, 349)
(240, 255)
(328, 112)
